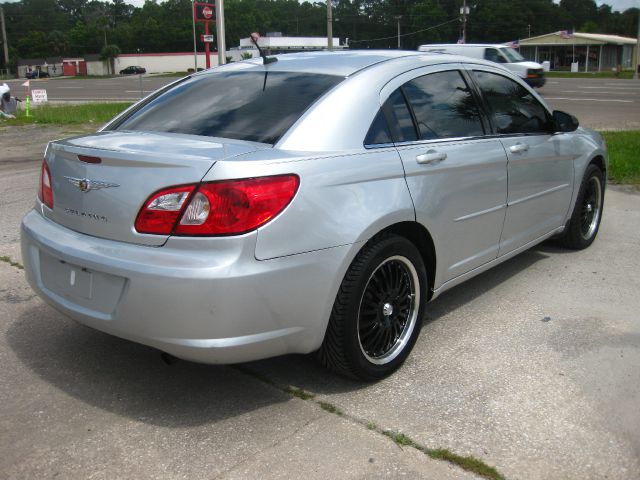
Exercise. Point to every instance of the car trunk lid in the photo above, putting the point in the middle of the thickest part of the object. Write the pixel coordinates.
(101, 181)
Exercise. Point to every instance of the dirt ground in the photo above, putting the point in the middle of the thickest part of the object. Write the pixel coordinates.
(29, 141)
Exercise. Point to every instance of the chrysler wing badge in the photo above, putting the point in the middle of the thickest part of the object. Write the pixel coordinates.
(84, 184)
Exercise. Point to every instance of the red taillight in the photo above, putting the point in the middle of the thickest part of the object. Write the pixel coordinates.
(162, 210)
(228, 207)
(45, 191)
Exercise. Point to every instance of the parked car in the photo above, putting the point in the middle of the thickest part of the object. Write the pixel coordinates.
(36, 74)
(530, 72)
(315, 203)
(132, 70)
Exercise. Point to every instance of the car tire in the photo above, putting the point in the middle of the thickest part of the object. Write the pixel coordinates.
(377, 314)
(585, 220)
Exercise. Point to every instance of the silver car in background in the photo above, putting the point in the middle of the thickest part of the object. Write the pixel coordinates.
(313, 203)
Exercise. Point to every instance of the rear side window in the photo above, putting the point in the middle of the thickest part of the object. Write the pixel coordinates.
(402, 124)
(513, 108)
(443, 106)
(253, 106)
(379, 131)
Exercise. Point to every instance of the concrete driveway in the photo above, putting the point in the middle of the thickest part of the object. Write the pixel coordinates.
(532, 367)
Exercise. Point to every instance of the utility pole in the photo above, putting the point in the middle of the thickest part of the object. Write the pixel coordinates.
(635, 71)
(398, 17)
(329, 26)
(4, 40)
(222, 47)
(464, 11)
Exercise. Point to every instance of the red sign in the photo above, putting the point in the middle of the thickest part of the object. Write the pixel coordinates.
(203, 12)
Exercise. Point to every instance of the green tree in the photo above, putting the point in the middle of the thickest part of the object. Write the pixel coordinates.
(108, 54)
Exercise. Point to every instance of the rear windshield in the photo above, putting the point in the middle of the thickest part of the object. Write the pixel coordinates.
(253, 106)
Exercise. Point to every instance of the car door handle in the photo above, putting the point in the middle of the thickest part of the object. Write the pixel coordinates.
(431, 157)
(519, 148)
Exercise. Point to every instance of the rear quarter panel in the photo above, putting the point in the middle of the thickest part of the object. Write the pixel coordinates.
(342, 199)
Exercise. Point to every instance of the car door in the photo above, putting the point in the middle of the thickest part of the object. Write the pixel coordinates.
(457, 177)
(540, 162)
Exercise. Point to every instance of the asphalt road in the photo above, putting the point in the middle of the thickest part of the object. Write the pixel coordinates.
(533, 367)
(602, 104)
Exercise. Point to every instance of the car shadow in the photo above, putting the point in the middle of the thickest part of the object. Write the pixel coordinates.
(129, 379)
(133, 381)
(302, 371)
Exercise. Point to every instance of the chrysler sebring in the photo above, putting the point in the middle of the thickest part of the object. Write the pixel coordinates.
(311, 202)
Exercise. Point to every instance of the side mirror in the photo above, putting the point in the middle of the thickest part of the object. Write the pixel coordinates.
(565, 122)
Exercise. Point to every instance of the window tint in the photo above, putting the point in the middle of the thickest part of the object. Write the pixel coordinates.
(514, 109)
(379, 131)
(443, 106)
(254, 106)
(402, 124)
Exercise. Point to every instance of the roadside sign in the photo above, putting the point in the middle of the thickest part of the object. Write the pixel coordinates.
(204, 12)
(206, 38)
(39, 96)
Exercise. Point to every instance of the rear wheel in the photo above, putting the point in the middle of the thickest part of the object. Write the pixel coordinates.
(377, 314)
(587, 213)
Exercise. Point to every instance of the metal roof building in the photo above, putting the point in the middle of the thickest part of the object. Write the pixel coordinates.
(592, 51)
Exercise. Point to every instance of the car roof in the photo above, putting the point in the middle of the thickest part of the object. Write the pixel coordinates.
(342, 63)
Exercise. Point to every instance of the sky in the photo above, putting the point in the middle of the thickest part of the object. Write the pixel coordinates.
(620, 5)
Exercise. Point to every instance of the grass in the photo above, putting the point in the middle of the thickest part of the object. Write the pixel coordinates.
(8, 260)
(627, 74)
(624, 161)
(469, 463)
(70, 114)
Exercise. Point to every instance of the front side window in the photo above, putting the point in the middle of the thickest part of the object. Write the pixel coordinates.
(244, 105)
(443, 106)
(513, 108)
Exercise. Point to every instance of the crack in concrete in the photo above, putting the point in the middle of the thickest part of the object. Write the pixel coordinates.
(11, 262)
(468, 463)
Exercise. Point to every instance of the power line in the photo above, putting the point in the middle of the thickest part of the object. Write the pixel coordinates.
(406, 34)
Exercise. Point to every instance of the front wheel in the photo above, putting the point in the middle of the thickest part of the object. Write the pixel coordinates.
(587, 213)
(377, 314)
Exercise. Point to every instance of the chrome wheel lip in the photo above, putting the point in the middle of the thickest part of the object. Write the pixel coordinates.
(412, 316)
(591, 208)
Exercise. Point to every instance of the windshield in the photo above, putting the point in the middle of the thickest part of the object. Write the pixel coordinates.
(512, 55)
(254, 106)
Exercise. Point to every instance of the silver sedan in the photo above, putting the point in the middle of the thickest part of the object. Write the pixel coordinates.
(305, 203)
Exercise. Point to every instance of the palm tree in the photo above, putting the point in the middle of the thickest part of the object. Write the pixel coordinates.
(108, 54)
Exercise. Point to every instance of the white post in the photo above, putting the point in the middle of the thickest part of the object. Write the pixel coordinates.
(222, 47)
(329, 26)
(536, 55)
(637, 59)
(586, 61)
(195, 51)
(600, 60)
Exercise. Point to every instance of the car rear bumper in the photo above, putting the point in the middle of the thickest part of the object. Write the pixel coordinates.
(206, 300)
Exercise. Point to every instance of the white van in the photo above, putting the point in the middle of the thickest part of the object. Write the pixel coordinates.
(530, 72)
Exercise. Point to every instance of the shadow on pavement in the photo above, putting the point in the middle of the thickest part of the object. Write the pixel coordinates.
(131, 379)
(303, 372)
